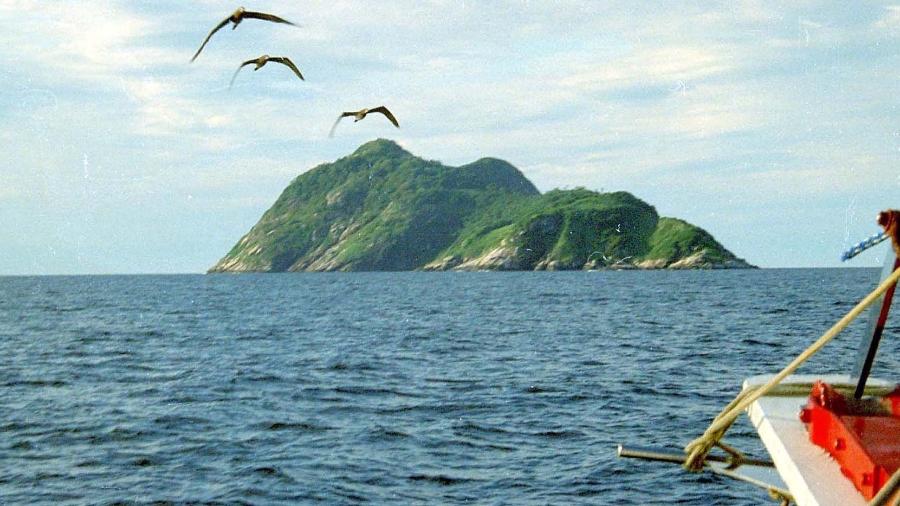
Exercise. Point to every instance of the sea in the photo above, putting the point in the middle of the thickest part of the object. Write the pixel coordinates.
(396, 388)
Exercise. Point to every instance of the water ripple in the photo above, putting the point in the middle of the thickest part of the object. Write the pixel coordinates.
(393, 388)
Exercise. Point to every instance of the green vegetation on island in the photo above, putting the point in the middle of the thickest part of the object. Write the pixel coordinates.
(381, 208)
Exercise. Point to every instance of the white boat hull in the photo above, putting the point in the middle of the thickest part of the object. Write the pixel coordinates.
(812, 476)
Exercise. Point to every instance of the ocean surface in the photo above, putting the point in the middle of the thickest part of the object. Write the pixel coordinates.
(395, 388)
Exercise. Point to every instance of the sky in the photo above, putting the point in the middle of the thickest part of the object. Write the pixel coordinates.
(772, 125)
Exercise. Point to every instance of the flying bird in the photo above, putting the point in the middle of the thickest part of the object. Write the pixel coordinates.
(239, 15)
(362, 114)
(261, 62)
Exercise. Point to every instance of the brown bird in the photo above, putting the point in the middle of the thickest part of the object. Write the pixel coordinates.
(362, 114)
(261, 62)
(239, 15)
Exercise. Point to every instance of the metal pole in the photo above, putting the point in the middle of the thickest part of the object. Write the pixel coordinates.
(639, 452)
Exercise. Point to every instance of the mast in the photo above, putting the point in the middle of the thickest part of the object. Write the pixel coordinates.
(878, 314)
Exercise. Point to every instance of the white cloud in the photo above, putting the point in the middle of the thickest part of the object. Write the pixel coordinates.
(218, 120)
(85, 41)
(160, 107)
(890, 20)
(657, 66)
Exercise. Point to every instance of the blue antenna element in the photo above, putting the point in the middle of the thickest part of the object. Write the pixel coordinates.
(864, 245)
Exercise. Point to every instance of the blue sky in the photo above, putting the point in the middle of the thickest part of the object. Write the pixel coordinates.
(774, 126)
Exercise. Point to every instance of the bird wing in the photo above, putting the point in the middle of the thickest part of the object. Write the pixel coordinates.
(267, 17)
(214, 30)
(338, 120)
(242, 65)
(384, 110)
(284, 60)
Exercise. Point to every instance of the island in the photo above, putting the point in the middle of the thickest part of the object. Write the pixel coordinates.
(385, 209)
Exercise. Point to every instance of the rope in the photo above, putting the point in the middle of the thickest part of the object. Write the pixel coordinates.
(697, 449)
(735, 458)
(783, 497)
(891, 487)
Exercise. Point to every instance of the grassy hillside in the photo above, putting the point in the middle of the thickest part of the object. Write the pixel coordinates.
(561, 229)
(380, 208)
